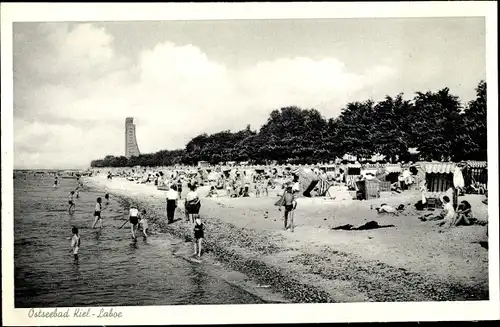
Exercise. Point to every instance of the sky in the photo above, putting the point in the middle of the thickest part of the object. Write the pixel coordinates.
(74, 83)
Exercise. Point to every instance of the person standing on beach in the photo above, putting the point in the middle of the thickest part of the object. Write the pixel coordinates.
(192, 204)
(77, 192)
(267, 185)
(172, 198)
(290, 205)
(134, 219)
(198, 236)
(97, 212)
(70, 201)
(75, 242)
(55, 182)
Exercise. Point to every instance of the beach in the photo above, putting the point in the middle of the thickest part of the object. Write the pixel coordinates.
(409, 261)
(113, 269)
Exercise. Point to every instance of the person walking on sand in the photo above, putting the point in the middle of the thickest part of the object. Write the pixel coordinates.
(134, 219)
(70, 201)
(267, 184)
(192, 204)
(97, 212)
(55, 182)
(77, 192)
(199, 235)
(172, 198)
(75, 242)
(290, 205)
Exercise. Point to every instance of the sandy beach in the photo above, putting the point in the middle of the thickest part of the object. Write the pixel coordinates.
(410, 261)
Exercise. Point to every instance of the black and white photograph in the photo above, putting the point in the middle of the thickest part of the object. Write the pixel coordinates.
(225, 168)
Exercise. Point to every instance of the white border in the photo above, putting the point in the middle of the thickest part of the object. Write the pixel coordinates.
(275, 313)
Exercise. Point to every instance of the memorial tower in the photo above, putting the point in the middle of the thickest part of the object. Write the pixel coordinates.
(131, 147)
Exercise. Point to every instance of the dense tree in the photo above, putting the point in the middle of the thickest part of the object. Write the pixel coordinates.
(473, 137)
(355, 128)
(293, 133)
(433, 122)
(390, 133)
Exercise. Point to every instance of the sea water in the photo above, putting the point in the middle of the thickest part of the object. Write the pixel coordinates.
(113, 269)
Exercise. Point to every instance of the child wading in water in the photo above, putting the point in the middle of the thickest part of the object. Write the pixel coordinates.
(70, 201)
(144, 223)
(75, 242)
(97, 212)
(198, 236)
(106, 196)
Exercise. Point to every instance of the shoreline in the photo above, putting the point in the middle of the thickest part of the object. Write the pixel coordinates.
(316, 265)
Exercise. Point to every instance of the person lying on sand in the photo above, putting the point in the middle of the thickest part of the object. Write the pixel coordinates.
(384, 208)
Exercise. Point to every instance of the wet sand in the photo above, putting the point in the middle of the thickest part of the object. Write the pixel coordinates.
(412, 261)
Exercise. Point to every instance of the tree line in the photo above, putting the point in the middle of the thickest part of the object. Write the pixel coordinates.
(436, 123)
